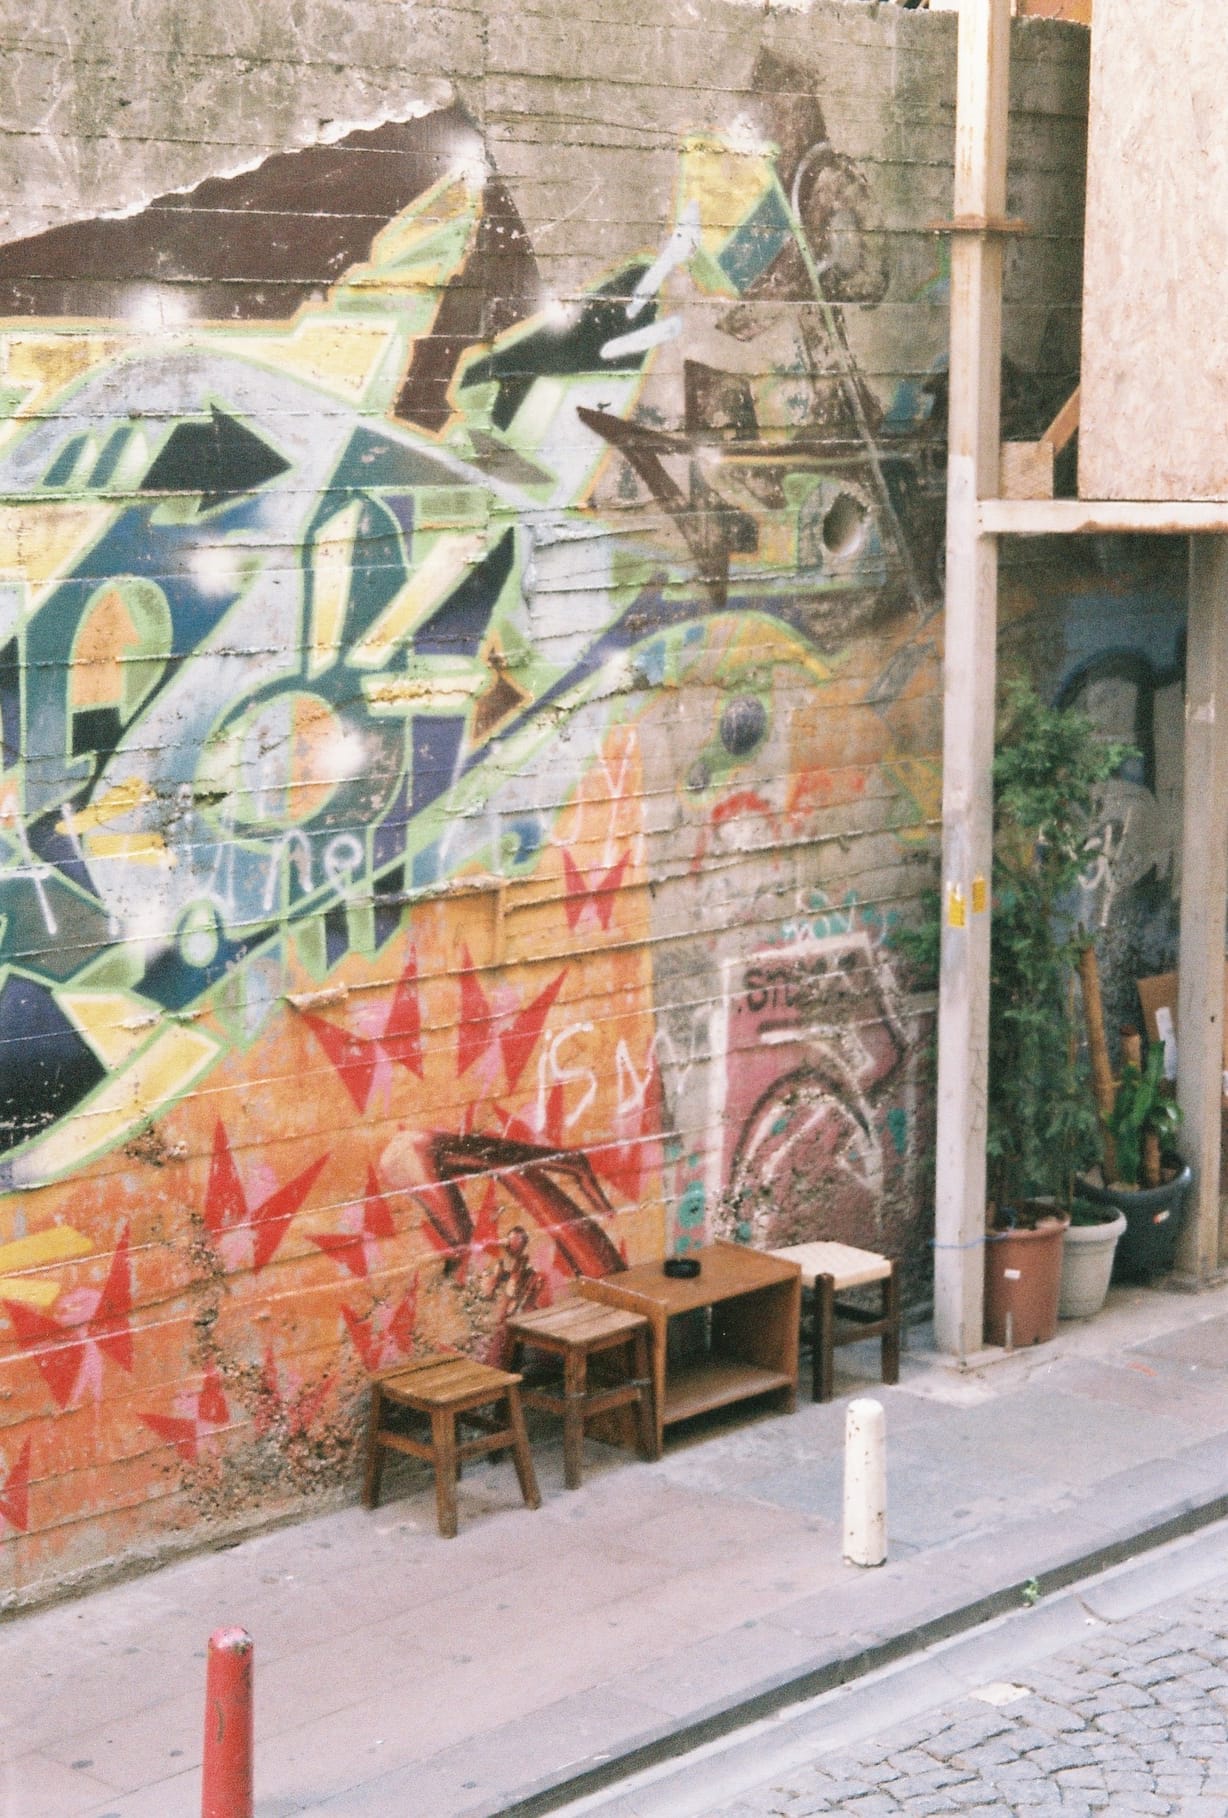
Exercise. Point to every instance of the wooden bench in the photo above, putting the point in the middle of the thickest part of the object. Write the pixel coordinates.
(574, 1332)
(829, 1269)
(446, 1390)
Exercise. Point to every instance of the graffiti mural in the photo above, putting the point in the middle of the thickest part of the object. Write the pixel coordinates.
(819, 1089)
(420, 696)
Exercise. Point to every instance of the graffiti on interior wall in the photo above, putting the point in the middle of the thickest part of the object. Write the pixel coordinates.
(343, 578)
(818, 1087)
(1138, 835)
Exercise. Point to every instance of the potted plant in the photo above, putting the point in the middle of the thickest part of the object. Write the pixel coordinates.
(1049, 765)
(1147, 1184)
(1088, 1251)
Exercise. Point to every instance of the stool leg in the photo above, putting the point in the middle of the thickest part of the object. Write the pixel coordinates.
(891, 1337)
(822, 1363)
(443, 1444)
(520, 1450)
(575, 1385)
(375, 1452)
(645, 1414)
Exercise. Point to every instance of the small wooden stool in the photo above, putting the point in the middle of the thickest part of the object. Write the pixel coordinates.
(447, 1390)
(831, 1269)
(576, 1331)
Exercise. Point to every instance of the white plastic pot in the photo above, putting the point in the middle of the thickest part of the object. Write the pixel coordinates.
(1087, 1264)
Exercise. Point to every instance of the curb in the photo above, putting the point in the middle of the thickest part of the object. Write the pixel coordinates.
(830, 1671)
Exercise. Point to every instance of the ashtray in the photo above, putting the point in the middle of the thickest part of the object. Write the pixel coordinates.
(682, 1268)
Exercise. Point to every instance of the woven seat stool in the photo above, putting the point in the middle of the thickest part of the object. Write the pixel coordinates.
(447, 1390)
(574, 1332)
(829, 1269)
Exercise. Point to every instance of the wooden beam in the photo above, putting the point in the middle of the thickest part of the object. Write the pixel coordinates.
(1090, 517)
(1026, 470)
(1062, 429)
(1204, 902)
(969, 674)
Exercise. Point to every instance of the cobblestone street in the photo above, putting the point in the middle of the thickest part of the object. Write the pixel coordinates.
(1133, 1720)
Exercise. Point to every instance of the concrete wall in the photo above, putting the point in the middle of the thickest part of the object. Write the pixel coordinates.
(469, 688)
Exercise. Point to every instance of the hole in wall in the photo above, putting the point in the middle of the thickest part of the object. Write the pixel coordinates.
(844, 526)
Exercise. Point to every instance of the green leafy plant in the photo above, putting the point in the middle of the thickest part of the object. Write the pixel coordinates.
(1142, 1109)
(1049, 766)
(1083, 1212)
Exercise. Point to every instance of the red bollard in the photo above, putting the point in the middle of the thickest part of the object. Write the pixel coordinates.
(226, 1779)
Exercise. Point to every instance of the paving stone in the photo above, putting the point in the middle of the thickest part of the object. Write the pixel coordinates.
(1056, 1756)
(1127, 1780)
(984, 1756)
(1084, 1775)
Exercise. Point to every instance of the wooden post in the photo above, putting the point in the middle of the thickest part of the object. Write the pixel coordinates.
(969, 671)
(1098, 1053)
(1204, 902)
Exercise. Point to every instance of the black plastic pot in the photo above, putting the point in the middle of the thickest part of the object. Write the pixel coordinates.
(1154, 1217)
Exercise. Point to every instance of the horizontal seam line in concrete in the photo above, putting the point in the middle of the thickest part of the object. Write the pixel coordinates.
(842, 1670)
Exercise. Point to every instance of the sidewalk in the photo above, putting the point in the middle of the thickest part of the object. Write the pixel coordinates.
(403, 1675)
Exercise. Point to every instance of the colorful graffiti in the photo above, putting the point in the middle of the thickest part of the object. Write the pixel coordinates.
(383, 643)
(820, 1089)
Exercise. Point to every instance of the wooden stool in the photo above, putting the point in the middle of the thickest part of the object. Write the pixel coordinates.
(831, 1269)
(447, 1390)
(576, 1331)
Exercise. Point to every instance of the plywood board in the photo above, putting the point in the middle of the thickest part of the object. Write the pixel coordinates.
(1155, 311)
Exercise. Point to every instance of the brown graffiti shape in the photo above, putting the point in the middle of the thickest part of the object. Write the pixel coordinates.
(528, 1173)
(712, 529)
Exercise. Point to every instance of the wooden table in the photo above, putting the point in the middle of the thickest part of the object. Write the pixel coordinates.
(751, 1348)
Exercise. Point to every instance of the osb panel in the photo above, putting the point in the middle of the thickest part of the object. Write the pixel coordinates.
(1155, 341)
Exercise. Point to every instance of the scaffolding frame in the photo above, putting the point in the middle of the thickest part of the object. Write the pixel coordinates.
(977, 518)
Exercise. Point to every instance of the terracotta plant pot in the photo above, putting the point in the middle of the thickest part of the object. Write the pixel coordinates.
(1154, 1216)
(1023, 1277)
(1087, 1265)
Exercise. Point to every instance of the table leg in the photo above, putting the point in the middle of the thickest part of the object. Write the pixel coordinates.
(645, 1401)
(658, 1324)
(824, 1379)
(891, 1337)
(375, 1451)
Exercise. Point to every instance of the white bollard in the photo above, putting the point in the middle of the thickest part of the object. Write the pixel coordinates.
(865, 1484)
